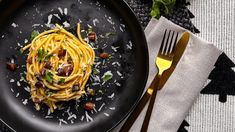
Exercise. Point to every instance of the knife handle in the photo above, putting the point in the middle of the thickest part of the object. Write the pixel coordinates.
(140, 106)
(151, 103)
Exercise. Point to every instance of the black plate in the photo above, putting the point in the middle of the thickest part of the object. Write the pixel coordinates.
(118, 96)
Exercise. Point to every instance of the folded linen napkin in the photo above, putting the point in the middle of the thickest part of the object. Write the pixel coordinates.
(182, 88)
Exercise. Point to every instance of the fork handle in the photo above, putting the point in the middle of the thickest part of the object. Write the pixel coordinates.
(155, 84)
(140, 106)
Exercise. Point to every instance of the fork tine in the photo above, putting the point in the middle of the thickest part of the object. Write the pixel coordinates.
(162, 44)
(167, 42)
(170, 44)
(174, 45)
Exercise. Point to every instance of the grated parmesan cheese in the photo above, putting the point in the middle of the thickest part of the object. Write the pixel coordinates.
(62, 121)
(116, 63)
(118, 84)
(18, 84)
(19, 45)
(95, 21)
(119, 74)
(66, 24)
(101, 107)
(48, 112)
(27, 89)
(25, 101)
(95, 110)
(121, 29)
(61, 11)
(98, 99)
(14, 25)
(111, 96)
(66, 11)
(48, 117)
(12, 90)
(112, 108)
(26, 41)
(110, 21)
(82, 118)
(88, 118)
(106, 114)
(72, 116)
(12, 80)
(114, 48)
(35, 25)
(56, 15)
(129, 46)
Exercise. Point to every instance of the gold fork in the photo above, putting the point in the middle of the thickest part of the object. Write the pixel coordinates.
(164, 61)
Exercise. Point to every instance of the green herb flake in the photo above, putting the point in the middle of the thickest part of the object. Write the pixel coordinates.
(90, 30)
(49, 94)
(107, 76)
(91, 44)
(95, 72)
(34, 34)
(110, 57)
(47, 58)
(41, 54)
(49, 76)
(62, 80)
(21, 50)
(109, 34)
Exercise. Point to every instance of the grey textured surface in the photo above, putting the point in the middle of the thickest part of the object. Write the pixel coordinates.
(216, 21)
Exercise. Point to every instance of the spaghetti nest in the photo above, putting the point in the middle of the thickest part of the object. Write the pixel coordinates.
(58, 66)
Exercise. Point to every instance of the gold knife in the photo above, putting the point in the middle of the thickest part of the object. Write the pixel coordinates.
(180, 48)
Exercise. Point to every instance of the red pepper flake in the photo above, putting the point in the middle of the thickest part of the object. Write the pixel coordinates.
(104, 55)
(89, 106)
(36, 100)
(61, 53)
(47, 65)
(11, 66)
(29, 60)
(38, 85)
(65, 70)
(92, 36)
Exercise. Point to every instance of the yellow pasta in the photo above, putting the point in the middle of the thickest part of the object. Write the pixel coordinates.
(58, 66)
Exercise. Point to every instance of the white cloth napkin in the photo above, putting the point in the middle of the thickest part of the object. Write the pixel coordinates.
(182, 88)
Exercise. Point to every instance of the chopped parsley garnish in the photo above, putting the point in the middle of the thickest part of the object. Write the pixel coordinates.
(107, 76)
(21, 51)
(34, 34)
(90, 30)
(49, 76)
(47, 58)
(110, 57)
(95, 72)
(41, 54)
(49, 94)
(62, 80)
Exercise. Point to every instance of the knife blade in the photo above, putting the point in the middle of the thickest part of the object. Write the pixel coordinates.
(180, 48)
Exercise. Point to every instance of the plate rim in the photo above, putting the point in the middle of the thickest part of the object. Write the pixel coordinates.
(145, 52)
